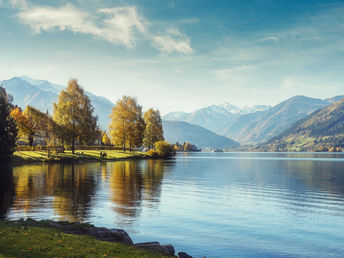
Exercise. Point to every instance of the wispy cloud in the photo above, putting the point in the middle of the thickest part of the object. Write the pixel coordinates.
(173, 41)
(120, 25)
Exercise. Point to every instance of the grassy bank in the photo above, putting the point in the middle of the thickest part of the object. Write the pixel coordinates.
(20, 240)
(80, 155)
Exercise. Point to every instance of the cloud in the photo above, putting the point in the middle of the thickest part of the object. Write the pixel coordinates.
(120, 25)
(117, 25)
(173, 41)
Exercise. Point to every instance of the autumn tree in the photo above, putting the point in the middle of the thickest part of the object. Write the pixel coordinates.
(127, 125)
(43, 125)
(8, 127)
(74, 113)
(105, 139)
(24, 124)
(153, 128)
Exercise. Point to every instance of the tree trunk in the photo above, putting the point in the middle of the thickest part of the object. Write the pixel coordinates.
(73, 147)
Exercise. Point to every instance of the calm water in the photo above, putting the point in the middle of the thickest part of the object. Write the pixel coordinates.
(214, 205)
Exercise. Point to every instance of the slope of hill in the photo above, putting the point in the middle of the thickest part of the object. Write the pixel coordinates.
(214, 117)
(178, 131)
(320, 131)
(261, 126)
(41, 94)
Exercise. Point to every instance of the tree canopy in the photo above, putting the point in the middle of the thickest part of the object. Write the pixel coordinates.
(153, 129)
(127, 125)
(24, 124)
(74, 113)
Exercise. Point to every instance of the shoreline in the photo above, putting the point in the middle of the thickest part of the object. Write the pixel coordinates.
(80, 156)
(118, 237)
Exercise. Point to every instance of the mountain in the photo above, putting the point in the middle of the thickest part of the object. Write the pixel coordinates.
(262, 125)
(320, 131)
(42, 94)
(214, 117)
(178, 131)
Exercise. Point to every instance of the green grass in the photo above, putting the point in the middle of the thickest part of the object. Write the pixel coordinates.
(17, 240)
(42, 156)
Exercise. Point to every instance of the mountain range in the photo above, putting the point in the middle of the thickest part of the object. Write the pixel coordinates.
(256, 124)
(322, 130)
(214, 117)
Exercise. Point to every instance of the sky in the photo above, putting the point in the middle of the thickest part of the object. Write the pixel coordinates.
(178, 55)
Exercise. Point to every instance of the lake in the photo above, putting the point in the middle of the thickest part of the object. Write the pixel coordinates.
(206, 204)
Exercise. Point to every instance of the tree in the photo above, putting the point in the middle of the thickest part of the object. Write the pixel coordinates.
(43, 125)
(106, 140)
(153, 129)
(127, 125)
(8, 127)
(74, 113)
(24, 124)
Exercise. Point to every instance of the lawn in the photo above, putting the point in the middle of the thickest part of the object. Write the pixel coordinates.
(42, 156)
(17, 240)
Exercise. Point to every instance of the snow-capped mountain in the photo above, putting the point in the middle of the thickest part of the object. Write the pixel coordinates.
(214, 117)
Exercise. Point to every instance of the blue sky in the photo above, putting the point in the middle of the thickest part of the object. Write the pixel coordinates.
(178, 54)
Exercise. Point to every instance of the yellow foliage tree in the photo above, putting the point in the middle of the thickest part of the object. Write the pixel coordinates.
(127, 125)
(43, 125)
(153, 128)
(25, 126)
(74, 113)
(106, 140)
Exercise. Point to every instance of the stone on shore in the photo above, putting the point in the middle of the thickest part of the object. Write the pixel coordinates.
(183, 255)
(157, 247)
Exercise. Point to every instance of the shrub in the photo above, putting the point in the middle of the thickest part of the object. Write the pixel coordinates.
(164, 149)
(153, 154)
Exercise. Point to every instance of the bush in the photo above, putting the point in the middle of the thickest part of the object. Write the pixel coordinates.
(164, 149)
(153, 154)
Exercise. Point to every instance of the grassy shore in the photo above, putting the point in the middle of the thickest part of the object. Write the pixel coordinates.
(20, 240)
(80, 155)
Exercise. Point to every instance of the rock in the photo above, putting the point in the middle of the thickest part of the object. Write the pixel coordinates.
(104, 234)
(169, 248)
(183, 255)
(122, 235)
(153, 246)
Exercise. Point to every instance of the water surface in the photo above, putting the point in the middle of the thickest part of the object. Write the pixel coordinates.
(207, 204)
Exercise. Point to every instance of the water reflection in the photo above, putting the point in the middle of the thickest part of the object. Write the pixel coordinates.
(6, 189)
(70, 192)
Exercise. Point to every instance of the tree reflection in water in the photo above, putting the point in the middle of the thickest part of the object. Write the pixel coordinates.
(6, 189)
(70, 192)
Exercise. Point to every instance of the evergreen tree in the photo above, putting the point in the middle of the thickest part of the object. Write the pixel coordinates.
(8, 127)
(153, 129)
(74, 113)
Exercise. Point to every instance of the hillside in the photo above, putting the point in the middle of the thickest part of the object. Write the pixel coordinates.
(177, 131)
(42, 94)
(261, 126)
(323, 130)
